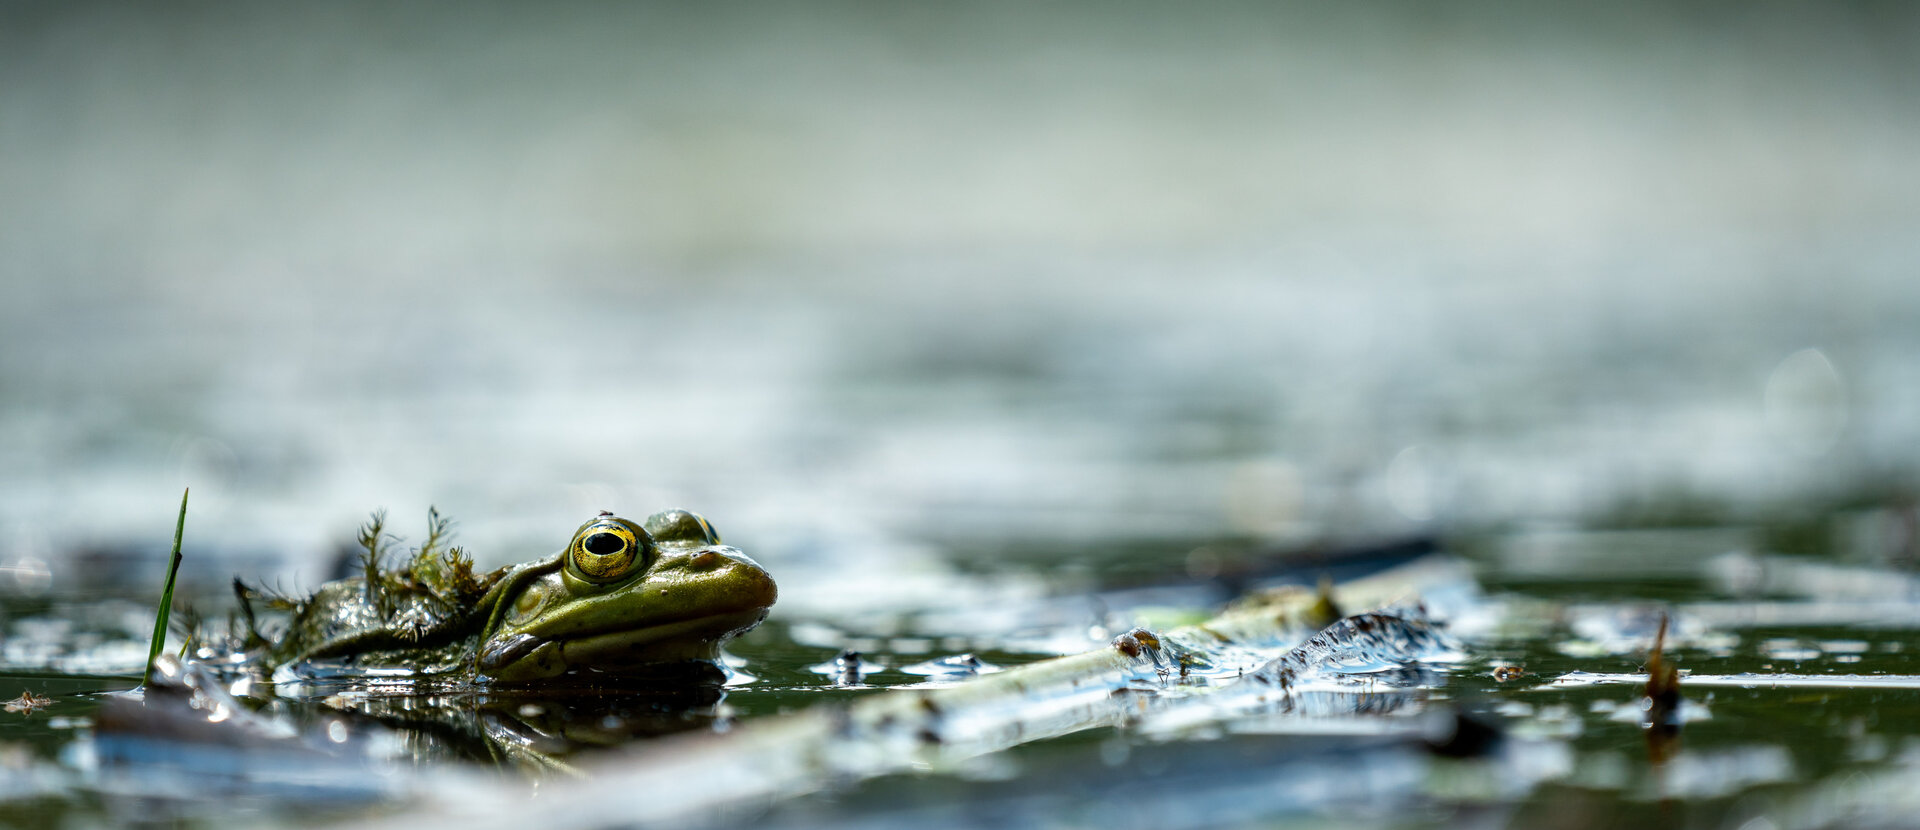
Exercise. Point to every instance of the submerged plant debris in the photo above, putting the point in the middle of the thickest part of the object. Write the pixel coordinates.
(28, 703)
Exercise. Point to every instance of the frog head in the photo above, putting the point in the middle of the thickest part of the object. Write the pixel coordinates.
(623, 597)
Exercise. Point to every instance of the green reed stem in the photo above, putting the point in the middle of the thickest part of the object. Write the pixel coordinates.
(166, 599)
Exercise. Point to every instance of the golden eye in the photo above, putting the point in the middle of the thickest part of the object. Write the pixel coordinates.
(607, 549)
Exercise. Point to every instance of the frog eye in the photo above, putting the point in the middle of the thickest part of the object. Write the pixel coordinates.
(712, 535)
(606, 550)
(682, 526)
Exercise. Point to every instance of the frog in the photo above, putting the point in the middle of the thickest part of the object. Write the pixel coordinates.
(656, 598)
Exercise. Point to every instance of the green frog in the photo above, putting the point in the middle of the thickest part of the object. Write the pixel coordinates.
(656, 598)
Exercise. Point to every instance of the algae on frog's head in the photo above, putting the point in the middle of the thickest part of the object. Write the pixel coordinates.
(622, 598)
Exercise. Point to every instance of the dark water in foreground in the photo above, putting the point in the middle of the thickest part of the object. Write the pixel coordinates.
(1802, 706)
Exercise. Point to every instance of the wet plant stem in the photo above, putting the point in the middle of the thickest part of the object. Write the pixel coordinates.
(166, 598)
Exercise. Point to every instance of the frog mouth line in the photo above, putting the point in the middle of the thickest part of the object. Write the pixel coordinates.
(694, 638)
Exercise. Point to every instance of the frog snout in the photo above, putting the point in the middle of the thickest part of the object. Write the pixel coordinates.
(755, 585)
(727, 570)
(750, 581)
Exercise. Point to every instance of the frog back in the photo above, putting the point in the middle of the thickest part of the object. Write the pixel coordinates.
(402, 623)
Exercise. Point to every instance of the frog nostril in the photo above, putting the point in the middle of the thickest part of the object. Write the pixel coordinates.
(704, 560)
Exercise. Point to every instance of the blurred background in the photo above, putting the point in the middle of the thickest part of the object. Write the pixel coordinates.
(889, 291)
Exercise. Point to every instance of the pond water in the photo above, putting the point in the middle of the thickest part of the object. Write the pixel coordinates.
(932, 469)
(1801, 703)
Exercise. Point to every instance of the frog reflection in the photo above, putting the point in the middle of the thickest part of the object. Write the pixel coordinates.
(339, 743)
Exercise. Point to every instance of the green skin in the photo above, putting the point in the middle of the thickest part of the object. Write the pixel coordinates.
(622, 598)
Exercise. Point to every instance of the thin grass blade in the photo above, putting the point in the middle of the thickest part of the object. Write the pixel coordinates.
(166, 598)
